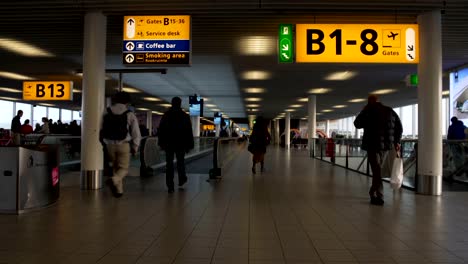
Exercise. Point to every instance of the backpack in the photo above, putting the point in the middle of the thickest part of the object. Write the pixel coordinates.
(115, 127)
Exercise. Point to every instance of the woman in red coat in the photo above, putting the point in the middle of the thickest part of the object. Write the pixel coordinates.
(259, 140)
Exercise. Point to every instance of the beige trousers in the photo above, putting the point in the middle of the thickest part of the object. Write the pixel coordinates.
(119, 155)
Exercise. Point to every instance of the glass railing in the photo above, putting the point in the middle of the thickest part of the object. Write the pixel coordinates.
(225, 149)
(348, 153)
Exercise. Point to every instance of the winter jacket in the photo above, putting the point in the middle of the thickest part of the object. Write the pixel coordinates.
(382, 127)
(175, 131)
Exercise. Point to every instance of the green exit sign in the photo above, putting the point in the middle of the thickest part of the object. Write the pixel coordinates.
(285, 43)
(414, 80)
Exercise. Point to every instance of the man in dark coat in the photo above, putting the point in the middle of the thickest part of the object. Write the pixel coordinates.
(382, 132)
(16, 128)
(175, 137)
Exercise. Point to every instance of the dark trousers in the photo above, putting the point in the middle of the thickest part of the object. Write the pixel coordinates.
(376, 161)
(180, 155)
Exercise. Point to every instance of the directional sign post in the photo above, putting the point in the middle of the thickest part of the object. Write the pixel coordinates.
(157, 40)
(48, 90)
(377, 43)
(285, 44)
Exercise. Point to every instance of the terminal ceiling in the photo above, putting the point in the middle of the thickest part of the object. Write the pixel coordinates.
(220, 29)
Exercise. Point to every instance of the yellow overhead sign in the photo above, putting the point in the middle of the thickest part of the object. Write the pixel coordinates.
(48, 90)
(357, 43)
(157, 27)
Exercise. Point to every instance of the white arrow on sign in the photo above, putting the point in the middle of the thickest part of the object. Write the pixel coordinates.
(285, 56)
(130, 28)
(285, 47)
(129, 58)
(130, 46)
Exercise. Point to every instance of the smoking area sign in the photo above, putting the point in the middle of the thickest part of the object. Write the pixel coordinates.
(157, 40)
(48, 90)
(357, 43)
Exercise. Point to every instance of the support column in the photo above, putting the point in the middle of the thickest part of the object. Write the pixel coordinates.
(149, 122)
(312, 125)
(277, 132)
(429, 180)
(196, 126)
(287, 131)
(94, 86)
(327, 128)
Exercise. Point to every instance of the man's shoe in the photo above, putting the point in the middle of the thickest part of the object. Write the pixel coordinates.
(181, 183)
(377, 201)
(170, 190)
(113, 189)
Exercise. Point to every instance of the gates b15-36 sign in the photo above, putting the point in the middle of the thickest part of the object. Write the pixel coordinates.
(375, 43)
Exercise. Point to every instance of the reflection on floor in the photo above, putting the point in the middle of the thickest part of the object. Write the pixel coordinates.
(299, 211)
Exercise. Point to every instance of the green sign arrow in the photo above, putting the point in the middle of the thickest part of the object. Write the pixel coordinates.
(285, 43)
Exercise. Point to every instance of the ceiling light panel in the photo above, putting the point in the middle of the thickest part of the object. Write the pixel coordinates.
(340, 76)
(256, 75)
(320, 90)
(253, 99)
(295, 106)
(446, 92)
(157, 113)
(339, 106)
(384, 91)
(142, 109)
(257, 45)
(303, 100)
(165, 105)
(255, 90)
(15, 76)
(130, 90)
(210, 105)
(327, 110)
(253, 105)
(76, 91)
(9, 98)
(10, 90)
(290, 110)
(23, 48)
(357, 100)
(151, 99)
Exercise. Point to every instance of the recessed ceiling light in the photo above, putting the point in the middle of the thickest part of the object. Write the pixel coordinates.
(130, 90)
(290, 110)
(303, 99)
(158, 113)
(142, 109)
(253, 105)
(339, 106)
(384, 91)
(210, 105)
(340, 76)
(446, 92)
(295, 105)
(252, 110)
(10, 90)
(357, 100)
(256, 75)
(45, 104)
(304, 118)
(9, 98)
(320, 90)
(165, 105)
(76, 91)
(151, 99)
(216, 110)
(254, 90)
(253, 99)
(15, 76)
(23, 48)
(257, 45)
(318, 114)
(327, 111)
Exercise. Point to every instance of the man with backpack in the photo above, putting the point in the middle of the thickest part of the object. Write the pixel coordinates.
(121, 134)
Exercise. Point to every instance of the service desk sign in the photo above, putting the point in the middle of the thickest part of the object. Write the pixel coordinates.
(162, 40)
(357, 43)
(48, 90)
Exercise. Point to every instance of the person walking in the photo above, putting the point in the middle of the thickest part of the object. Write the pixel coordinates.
(456, 131)
(175, 137)
(121, 135)
(259, 140)
(16, 128)
(382, 133)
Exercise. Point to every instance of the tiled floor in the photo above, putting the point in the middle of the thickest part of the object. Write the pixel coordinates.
(299, 211)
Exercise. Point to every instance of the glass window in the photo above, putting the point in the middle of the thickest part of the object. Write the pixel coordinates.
(7, 114)
(38, 114)
(66, 116)
(445, 116)
(417, 118)
(407, 120)
(26, 108)
(54, 114)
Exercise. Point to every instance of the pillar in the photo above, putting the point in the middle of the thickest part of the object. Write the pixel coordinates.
(312, 124)
(93, 100)
(149, 122)
(287, 131)
(327, 128)
(196, 126)
(277, 132)
(429, 178)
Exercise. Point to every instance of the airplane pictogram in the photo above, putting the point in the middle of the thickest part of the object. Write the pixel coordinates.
(392, 35)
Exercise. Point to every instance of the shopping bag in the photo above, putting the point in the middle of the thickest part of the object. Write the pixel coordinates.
(396, 178)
